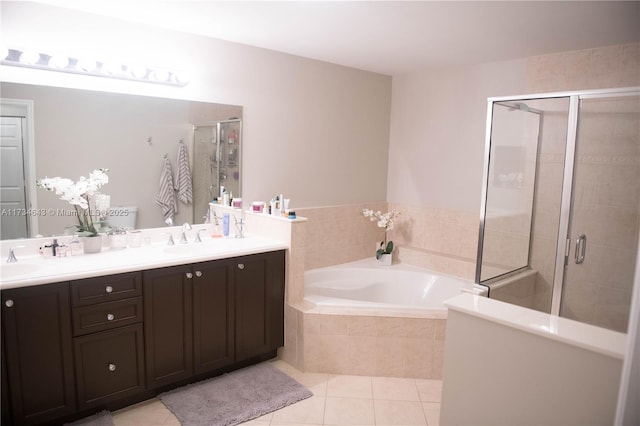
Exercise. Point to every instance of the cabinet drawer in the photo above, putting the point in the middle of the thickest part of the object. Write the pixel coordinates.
(109, 365)
(105, 289)
(105, 316)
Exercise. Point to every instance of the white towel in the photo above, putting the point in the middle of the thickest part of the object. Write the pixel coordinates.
(183, 179)
(166, 197)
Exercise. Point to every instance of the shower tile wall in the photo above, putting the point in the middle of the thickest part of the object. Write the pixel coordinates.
(599, 68)
(599, 299)
(607, 200)
(548, 195)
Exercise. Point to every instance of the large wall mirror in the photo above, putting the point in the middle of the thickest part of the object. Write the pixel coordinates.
(71, 132)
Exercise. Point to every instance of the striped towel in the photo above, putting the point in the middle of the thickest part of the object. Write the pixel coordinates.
(166, 197)
(183, 179)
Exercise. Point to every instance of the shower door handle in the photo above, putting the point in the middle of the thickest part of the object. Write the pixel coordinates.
(581, 248)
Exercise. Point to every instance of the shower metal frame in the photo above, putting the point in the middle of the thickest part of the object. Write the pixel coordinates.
(563, 242)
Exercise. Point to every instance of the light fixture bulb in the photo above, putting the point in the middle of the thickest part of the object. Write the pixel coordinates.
(182, 77)
(87, 64)
(160, 75)
(58, 61)
(138, 71)
(29, 57)
(113, 68)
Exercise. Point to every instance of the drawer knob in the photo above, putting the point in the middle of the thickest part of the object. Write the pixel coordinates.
(240, 266)
(198, 274)
(112, 367)
(110, 317)
(108, 289)
(8, 303)
(189, 275)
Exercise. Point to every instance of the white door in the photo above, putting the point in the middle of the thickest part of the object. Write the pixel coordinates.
(13, 203)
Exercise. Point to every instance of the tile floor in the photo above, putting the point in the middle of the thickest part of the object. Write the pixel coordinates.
(336, 400)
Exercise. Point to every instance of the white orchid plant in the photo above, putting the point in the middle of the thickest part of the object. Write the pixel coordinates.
(79, 194)
(384, 220)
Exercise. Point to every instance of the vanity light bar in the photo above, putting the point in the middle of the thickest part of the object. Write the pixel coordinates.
(88, 66)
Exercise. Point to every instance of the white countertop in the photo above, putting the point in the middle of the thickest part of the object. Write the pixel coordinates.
(36, 269)
(586, 336)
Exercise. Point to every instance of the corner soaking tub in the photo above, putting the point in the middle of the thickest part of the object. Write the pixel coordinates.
(366, 285)
(366, 319)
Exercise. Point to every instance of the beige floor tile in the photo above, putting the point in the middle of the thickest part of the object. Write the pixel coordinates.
(315, 382)
(396, 389)
(429, 390)
(349, 411)
(148, 413)
(403, 413)
(307, 411)
(256, 423)
(350, 386)
(172, 421)
(432, 413)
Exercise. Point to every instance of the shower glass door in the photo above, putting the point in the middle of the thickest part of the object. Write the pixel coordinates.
(605, 212)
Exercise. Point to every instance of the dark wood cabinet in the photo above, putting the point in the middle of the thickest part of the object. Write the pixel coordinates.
(108, 341)
(36, 325)
(73, 347)
(213, 316)
(168, 324)
(109, 365)
(259, 298)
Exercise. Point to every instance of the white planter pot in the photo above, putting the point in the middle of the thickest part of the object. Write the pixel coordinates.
(92, 244)
(385, 260)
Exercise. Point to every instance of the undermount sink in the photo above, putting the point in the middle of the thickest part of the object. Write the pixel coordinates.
(10, 270)
(189, 248)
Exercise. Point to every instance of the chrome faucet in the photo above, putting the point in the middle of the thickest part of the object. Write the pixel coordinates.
(198, 239)
(185, 227)
(12, 256)
(239, 227)
(170, 242)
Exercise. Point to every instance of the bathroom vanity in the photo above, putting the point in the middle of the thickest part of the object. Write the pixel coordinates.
(72, 346)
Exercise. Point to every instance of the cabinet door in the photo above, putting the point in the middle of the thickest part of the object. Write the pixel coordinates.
(212, 316)
(36, 323)
(109, 365)
(258, 280)
(168, 325)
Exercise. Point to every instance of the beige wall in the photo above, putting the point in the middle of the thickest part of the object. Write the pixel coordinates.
(315, 131)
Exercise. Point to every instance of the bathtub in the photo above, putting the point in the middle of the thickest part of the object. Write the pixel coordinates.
(365, 285)
(362, 318)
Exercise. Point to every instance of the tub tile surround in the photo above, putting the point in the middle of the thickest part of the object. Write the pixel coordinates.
(372, 345)
(441, 240)
(352, 343)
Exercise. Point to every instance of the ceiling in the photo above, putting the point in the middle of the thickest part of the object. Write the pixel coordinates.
(391, 37)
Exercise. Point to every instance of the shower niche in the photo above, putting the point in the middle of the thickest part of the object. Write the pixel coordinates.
(560, 212)
(217, 162)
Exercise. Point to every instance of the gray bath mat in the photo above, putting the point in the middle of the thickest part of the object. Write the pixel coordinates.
(103, 418)
(235, 397)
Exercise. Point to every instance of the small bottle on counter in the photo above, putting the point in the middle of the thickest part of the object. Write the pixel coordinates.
(225, 225)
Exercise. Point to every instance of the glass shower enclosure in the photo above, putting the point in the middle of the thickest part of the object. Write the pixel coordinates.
(217, 162)
(560, 213)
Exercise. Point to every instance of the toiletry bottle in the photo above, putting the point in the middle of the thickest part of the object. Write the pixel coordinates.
(217, 232)
(225, 225)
